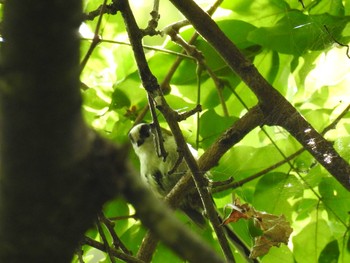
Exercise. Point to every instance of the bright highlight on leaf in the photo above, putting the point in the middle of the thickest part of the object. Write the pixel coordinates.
(274, 229)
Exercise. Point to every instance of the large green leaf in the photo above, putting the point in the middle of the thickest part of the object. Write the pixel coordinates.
(335, 198)
(308, 244)
(210, 133)
(119, 100)
(296, 33)
(330, 253)
(333, 7)
(273, 191)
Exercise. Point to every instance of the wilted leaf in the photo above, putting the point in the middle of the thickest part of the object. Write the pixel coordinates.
(274, 229)
(238, 211)
(261, 247)
(234, 217)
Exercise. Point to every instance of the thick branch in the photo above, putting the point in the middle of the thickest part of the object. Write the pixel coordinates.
(52, 182)
(277, 110)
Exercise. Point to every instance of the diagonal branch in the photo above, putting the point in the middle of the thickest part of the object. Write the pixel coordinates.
(280, 112)
(151, 85)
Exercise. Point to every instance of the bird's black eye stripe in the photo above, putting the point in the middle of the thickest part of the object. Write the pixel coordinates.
(145, 131)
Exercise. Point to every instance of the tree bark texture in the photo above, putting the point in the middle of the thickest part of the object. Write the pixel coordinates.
(49, 194)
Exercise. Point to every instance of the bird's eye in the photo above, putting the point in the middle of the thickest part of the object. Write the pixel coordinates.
(145, 131)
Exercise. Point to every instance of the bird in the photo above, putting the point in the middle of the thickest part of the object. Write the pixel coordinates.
(161, 173)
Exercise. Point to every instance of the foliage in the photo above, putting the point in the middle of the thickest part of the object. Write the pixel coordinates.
(297, 50)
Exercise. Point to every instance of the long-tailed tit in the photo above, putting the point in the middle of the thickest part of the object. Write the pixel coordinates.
(161, 174)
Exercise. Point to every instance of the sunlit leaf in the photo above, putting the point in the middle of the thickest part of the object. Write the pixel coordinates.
(336, 198)
(297, 33)
(309, 243)
(273, 190)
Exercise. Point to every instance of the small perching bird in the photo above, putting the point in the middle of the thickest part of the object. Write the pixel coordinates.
(161, 173)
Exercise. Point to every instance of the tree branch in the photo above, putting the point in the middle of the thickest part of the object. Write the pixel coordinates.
(151, 85)
(100, 246)
(48, 156)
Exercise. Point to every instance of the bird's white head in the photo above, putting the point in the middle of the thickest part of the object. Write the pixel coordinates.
(140, 134)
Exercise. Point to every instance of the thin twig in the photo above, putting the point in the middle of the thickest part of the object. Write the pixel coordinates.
(79, 254)
(201, 65)
(117, 243)
(114, 218)
(219, 85)
(105, 241)
(165, 84)
(185, 115)
(153, 23)
(222, 187)
(127, 258)
(102, 9)
(96, 40)
(336, 41)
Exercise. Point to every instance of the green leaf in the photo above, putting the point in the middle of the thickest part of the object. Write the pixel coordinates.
(93, 100)
(332, 7)
(273, 191)
(296, 33)
(304, 207)
(258, 8)
(237, 31)
(317, 117)
(115, 208)
(131, 86)
(133, 236)
(330, 254)
(309, 243)
(119, 100)
(210, 132)
(336, 198)
(279, 255)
